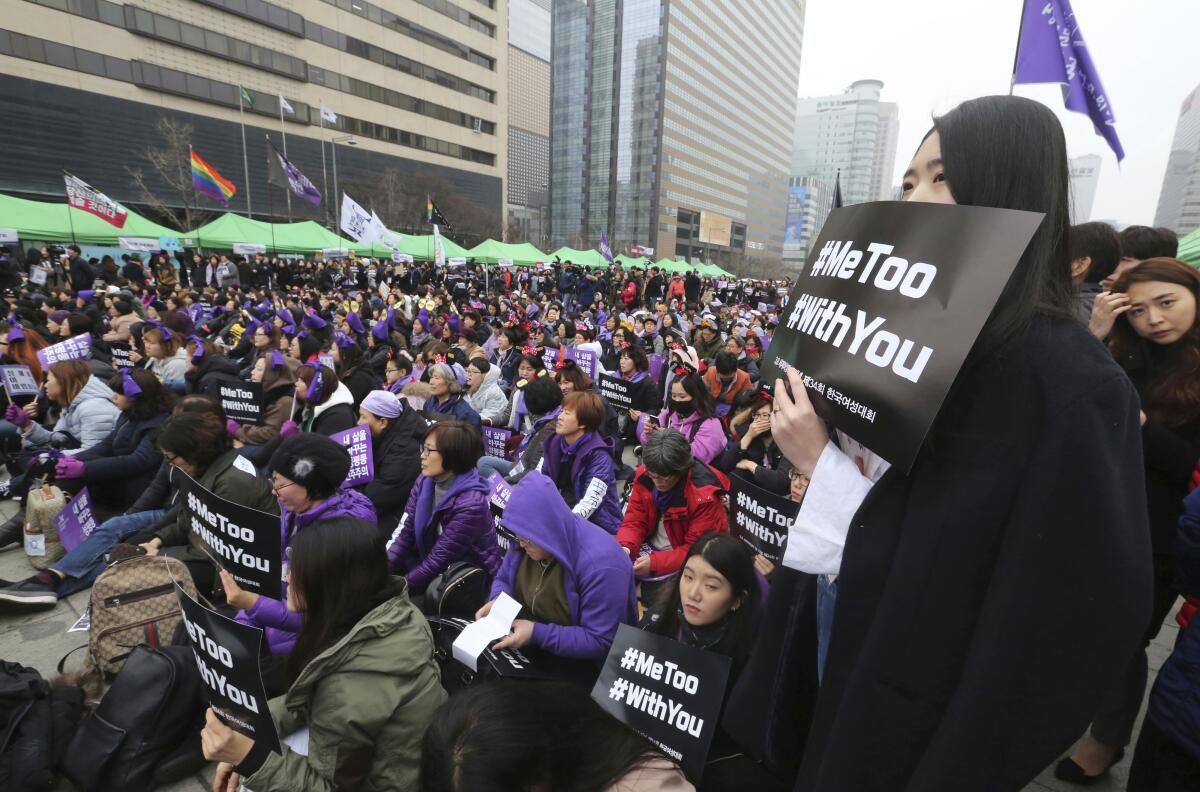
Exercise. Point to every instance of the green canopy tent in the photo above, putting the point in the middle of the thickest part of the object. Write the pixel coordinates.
(304, 237)
(1189, 248)
(492, 252)
(629, 262)
(38, 221)
(671, 265)
(587, 258)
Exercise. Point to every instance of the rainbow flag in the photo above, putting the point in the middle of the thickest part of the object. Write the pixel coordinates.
(205, 179)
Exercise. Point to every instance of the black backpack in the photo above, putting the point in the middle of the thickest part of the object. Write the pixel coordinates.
(149, 719)
(36, 723)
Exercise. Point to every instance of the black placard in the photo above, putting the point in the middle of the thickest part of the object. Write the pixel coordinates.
(888, 305)
(242, 400)
(227, 655)
(760, 518)
(120, 355)
(615, 390)
(241, 540)
(667, 691)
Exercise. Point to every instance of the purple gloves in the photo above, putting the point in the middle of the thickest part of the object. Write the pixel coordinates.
(232, 426)
(288, 429)
(68, 468)
(17, 417)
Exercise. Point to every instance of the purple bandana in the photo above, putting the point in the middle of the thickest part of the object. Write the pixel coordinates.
(129, 386)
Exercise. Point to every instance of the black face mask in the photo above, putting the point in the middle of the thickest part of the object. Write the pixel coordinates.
(682, 408)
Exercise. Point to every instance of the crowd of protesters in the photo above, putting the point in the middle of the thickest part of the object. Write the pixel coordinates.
(957, 626)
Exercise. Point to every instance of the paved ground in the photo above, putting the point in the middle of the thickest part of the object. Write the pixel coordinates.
(39, 638)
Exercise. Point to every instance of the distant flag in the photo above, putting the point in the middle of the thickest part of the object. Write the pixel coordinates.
(356, 221)
(837, 191)
(247, 99)
(605, 250)
(1051, 49)
(282, 172)
(83, 196)
(433, 215)
(205, 179)
(328, 114)
(439, 251)
(285, 106)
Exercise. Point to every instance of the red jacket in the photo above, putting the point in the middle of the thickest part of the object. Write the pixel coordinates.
(700, 509)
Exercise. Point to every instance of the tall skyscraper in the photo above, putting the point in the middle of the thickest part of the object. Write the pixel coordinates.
(1179, 200)
(670, 125)
(419, 86)
(852, 135)
(1085, 176)
(528, 119)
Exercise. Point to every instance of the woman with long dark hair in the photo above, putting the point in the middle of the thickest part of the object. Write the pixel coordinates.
(1019, 532)
(509, 735)
(1157, 341)
(363, 679)
(690, 409)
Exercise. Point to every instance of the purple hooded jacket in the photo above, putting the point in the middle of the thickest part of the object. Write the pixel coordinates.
(281, 625)
(590, 458)
(468, 532)
(598, 576)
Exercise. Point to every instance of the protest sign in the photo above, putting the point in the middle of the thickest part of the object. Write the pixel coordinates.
(121, 358)
(242, 401)
(243, 541)
(248, 248)
(38, 275)
(76, 348)
(886, 309)
(18, 381)
(357, 440)
(8, 236)
(616, 391)
(500, 493)
(585, 359)
(227, 655)
(761, 518)
(495, 442)
(76, 521)
(326, 360)
(666, 691)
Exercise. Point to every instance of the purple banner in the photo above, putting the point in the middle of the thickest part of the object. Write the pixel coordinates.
(501, 492)
(585, 359)
(76, 521)
(495, 442)
(77, 348)
(357, 440)
(656, 366)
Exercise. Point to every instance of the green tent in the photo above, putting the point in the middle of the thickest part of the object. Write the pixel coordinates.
(671, 265)
(305, 237)
(38, 221)
(586, 258)
(1189, 248)
(628, 262)
(492, 252)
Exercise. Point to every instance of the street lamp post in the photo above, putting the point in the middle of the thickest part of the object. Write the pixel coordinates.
(337, 196)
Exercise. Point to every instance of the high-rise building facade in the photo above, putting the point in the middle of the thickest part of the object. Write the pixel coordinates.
(848, 138)
(420, 86)
(1179, 200)
(528, 120)
(671, 125)
(1085, 177)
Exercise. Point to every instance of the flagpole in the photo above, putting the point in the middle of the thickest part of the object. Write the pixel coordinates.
(324, 176)
(1017, 51)
(245, 159)
(270, 209)
(194, 206)
(70, 218)
(287, 193)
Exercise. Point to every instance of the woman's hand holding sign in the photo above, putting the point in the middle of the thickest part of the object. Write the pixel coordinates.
(221, 743)
(795, 425)
(235, 595)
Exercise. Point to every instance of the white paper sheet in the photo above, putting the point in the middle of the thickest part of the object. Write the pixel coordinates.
(476, 636)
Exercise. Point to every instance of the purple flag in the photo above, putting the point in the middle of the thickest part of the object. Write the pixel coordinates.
(357, 440)
(281, 171)
(605, 250)
(1052, 50)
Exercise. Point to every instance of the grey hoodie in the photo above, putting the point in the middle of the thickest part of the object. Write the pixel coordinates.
(88, 419)
(489, 401)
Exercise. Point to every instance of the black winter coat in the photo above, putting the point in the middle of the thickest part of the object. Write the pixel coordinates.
(124, 462)
(397, 457)
(988, 598)
(361, 380)
(211, 371)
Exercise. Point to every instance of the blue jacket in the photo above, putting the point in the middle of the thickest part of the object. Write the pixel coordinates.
(597, 574)
(592, 477)
(455, 407)
(1175, 699)
(431, 536)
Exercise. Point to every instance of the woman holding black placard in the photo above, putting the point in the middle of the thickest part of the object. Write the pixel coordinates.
(1020, 531)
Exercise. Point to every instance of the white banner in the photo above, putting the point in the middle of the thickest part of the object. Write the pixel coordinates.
(248, 248)
(504, 262)
(8, 235)
(356, 221)
(335, 252)
(401, 258)
(143, 244)
(382, 234)
(439, 252)
(457, 261)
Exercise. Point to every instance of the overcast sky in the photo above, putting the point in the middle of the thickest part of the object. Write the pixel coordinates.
(933, 54)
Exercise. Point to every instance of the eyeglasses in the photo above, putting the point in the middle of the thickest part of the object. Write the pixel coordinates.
(276, 487)
(426, 450)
